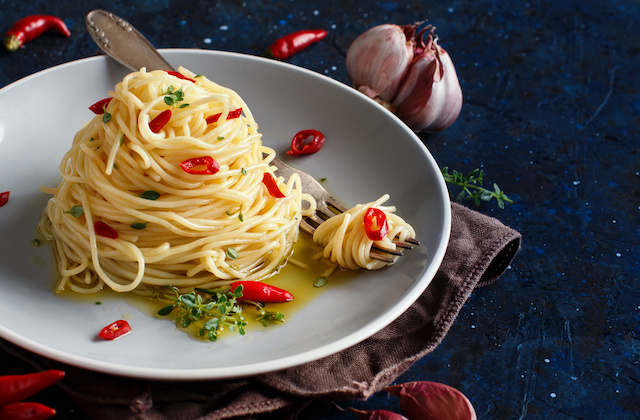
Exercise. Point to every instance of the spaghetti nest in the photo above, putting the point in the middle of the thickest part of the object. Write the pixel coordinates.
(138, 208)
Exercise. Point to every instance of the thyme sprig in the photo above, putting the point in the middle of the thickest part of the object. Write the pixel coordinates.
(212, 311)
(471, 187)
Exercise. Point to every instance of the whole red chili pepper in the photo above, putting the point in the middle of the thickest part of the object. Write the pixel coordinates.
(115, 329)
(260, 292)
(15, 388)
(29, 28)
(203, 165)
(272, 186)
(98, 107)
(375, 224)
(26, 411)
(295, 42)
(160, 121)
(231, 115)
(180, 75)
(103, 229)
(4, 198)
(299, 147)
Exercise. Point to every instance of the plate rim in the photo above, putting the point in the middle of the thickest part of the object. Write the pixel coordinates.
(256, 368)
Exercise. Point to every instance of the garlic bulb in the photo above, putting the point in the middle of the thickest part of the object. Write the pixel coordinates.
(425, 92)
(379, 58)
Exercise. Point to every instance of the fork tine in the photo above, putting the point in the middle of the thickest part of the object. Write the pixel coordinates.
(328, 206)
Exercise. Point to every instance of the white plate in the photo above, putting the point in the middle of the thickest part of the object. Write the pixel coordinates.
(368, 150)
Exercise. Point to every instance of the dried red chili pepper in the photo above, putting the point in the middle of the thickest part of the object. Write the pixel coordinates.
(26, 411)
(98, 107)
(180, 75)
(4, 198)
(260, 292)
(203, 165)
(15, 388)
(160, 121)
(29, 28)
(295, 42)
(299, 147)
(272, 186)
(103, 229)
(375, 224)
(115, 329)
(231, 115)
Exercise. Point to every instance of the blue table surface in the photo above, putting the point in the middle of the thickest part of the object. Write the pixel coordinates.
(551, 113)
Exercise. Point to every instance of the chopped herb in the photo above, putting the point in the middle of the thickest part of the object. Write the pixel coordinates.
(269, 317)
(172, 97)
(121, 139)
(220, 137)
(232, 253)
(76, 211)
(323, 179)
(139, 225)
(240, 216)
(320, 281)
(106, 117)
(98, 303)
(91, 139)
(150, 195)
(243, 171)
(183, 106)
(199, 75)
(35, 242)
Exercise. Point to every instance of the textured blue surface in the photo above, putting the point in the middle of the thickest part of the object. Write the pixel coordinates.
(551, 113)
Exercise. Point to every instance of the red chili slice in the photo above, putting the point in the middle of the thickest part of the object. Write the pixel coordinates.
(4, 198)
(180, 75)
(98, 107)
(115, 330)
(298, 146)
(203, 165)
(103, 229)
(232, 114)
(160, 121)
(272, 186)
(375, 224)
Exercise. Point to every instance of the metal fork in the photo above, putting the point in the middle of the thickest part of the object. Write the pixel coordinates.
(328, 206)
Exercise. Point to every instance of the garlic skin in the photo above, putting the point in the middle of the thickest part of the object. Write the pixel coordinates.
(378, 59)
(430, 97)
(410, 76)
(424, 400)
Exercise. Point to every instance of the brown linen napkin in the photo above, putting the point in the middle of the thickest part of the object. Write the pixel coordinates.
(479, 251)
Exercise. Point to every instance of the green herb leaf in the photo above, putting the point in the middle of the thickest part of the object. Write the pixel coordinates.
(232, 253)
(243, 171)
(106, 117)
(320, 281)
(150, 195)
(139, 226)
(76, 211)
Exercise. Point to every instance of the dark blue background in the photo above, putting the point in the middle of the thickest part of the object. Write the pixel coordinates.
(551, 114)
